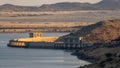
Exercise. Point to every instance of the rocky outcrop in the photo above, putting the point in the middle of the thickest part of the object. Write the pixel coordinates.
(112, 61)
(106, 56)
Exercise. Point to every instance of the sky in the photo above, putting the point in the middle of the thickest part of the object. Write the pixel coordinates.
(40, 2)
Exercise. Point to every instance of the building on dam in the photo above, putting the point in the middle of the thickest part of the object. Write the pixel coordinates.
(36, 40)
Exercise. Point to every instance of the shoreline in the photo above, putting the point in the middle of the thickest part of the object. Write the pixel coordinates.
(39, 31)
(84, 57)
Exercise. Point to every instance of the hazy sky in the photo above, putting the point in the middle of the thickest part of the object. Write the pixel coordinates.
(40, 2)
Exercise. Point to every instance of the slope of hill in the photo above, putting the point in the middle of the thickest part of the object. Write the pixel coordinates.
(65, 6)
(111, 62)
(109, 4)
(109, 57)
(69, 6)
(102, 5)
(104, 31)
(10, 7)
(101, 32)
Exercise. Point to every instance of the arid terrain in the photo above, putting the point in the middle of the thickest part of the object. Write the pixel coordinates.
(40, 26)
(60, 16)
(105, 37)
(52, 21)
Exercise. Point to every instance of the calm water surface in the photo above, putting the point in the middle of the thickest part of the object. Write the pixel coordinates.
(34, 58)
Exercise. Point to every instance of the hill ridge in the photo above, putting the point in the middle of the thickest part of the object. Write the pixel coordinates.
(65, 6)
(100, 32)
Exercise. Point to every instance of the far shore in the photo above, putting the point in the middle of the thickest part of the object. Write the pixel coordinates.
(24, 27)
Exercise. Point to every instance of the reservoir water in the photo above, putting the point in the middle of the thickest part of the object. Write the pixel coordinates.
(35, 58)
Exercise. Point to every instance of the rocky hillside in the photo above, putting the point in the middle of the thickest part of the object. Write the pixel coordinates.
(65, 6)
(98, 52)
(108, 56)
(101, 32)
(112, 61)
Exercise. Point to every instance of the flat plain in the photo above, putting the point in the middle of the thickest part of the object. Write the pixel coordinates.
(59, 19)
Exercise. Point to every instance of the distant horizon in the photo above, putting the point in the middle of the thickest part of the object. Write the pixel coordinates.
(41, 2)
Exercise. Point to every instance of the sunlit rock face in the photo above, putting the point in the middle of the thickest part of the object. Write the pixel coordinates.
(100, 32)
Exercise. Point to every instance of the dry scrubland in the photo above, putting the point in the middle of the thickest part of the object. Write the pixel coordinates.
(60, 16)
(66, 19)
(10, 14)
(41, 24)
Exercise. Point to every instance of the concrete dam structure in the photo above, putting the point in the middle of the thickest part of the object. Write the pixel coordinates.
(36, 40)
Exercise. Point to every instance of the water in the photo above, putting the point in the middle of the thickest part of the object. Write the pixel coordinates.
(34, 58)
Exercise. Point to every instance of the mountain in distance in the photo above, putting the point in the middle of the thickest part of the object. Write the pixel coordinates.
(109, 4)
(10, 7)
(69, 6)
(65, 6)
(102, 5)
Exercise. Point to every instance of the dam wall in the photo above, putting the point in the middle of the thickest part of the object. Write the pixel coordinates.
(45, 45)
(36, 40)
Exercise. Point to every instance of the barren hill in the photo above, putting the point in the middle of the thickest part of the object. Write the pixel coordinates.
(10, 7)
(100, 32)
(109, 4)
(66, 6)
(102, 5)
(108, 56)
